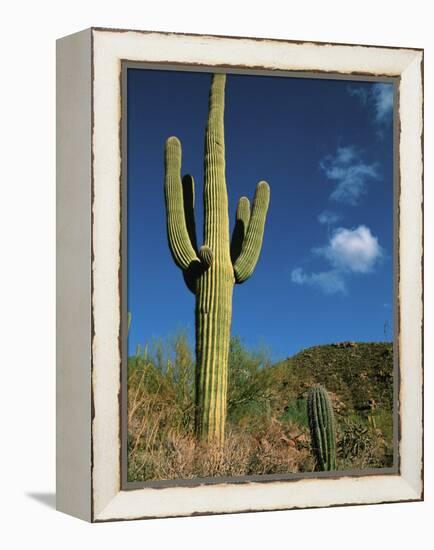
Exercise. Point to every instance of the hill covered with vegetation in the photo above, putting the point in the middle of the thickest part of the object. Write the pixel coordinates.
(358, 372)
(359, 377)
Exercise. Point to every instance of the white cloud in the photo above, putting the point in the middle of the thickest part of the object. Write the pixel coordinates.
(330, 282)
(359, 92)
(348, 251)
(349, 173)
(298, 276)
(345, 155)
(382, 98)
(328, 217)
(354, 250)
(379, 97)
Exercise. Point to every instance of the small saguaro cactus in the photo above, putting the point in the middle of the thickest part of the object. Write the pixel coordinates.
(322, 428)
(211, 271)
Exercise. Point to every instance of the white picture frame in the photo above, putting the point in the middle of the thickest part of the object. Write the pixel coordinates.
(89, 324)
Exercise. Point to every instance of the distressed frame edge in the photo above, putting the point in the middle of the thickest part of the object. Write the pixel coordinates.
(252, 38)
(113, 510)
(73, 275)
(412, 78)
(414, 493)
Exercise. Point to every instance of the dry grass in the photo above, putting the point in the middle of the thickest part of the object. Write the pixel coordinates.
(169, 454)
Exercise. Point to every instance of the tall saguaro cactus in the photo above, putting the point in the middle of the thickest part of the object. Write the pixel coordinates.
(322, 428)
(211, 271)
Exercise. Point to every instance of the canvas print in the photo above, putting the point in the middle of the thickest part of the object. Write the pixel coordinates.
(259, 276)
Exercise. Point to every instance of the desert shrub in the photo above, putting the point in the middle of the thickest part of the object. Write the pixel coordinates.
(160, 401)
(384, 422)
(361, 446)
(296, 411)
(248, 393)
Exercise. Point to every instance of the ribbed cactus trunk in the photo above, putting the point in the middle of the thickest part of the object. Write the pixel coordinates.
(212, 270)
(322, 428)
(215, 285)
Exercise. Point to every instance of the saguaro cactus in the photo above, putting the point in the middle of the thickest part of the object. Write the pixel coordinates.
(322, 428)
(211, 271)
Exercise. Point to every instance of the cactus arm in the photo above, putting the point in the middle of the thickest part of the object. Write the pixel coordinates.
(206, 257)
(190, 276)
(251, 248)
(197, 268)
(188, 196)
(242, 218)
(192, 272)
(180, 243)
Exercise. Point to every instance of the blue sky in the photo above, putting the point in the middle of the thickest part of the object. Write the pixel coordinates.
(326, 149)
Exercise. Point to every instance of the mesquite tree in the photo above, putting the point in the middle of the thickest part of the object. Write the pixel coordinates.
(211, 271)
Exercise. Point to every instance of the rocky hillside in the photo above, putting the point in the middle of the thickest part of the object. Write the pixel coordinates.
(358, 375)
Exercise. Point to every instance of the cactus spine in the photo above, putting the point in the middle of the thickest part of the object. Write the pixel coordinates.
(322, 428)
(211, 271)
